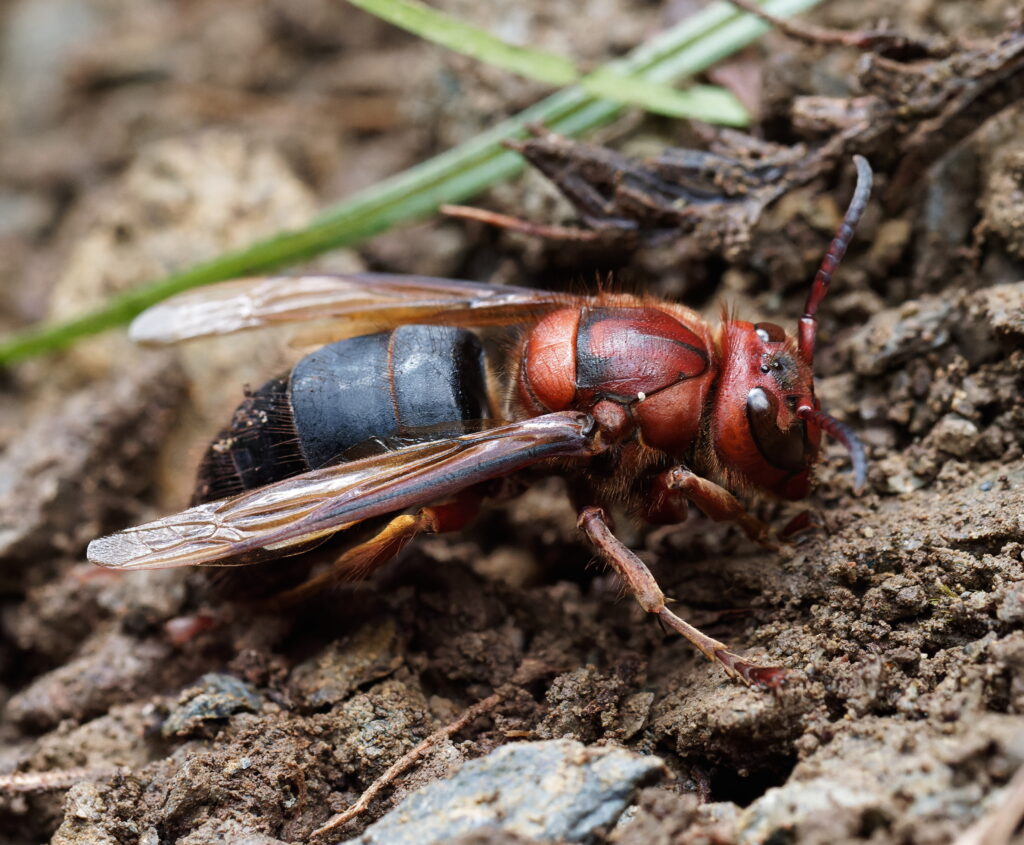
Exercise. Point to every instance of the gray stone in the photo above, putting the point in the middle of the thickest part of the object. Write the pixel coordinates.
(557, 789)
(215, 697)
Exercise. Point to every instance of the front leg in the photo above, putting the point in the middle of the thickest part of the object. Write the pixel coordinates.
(639, 581)
(715, 502)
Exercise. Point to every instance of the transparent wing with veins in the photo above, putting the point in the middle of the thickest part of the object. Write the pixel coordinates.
(272, 520)
(350, 305)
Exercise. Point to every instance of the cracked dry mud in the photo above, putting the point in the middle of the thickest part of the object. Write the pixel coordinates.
(901, 612)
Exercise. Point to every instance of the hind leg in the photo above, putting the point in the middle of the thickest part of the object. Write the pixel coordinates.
(639, 581)
(362, 560)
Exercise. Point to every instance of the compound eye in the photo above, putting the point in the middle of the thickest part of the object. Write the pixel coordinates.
(782, 449)
(770, 333)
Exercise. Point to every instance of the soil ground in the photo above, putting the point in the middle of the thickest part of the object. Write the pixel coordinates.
(138, 137)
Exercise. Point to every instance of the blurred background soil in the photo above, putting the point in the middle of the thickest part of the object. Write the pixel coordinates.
(138, 137)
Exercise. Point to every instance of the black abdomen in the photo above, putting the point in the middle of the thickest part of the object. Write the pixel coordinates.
(413, 381)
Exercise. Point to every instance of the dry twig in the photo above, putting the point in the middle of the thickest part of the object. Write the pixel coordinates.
(811, 34)
(15, 782)
(515, 224)
(407, 760)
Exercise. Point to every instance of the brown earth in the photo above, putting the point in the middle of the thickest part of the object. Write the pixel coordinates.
(139, 138)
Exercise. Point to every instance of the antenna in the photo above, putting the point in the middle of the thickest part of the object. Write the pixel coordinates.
(808, 326)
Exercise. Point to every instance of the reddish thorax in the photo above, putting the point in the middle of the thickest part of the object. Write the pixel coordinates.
(655, 362)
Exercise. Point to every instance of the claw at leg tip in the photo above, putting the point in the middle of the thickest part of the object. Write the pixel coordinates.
(762, 677)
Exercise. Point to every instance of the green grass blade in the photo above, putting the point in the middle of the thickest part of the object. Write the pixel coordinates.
(468, 40)
(451, 177)
(698, 102)
(708, 103)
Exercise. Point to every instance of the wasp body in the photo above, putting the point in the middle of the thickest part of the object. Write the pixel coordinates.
(638, 402)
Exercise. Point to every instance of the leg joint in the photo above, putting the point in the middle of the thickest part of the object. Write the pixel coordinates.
(589, 516)
(679, 478)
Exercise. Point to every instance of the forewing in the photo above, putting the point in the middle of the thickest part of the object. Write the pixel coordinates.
(356, 303)
(272, 520)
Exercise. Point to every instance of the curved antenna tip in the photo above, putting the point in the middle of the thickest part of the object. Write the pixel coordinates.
(863, 166)
(844, 434)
